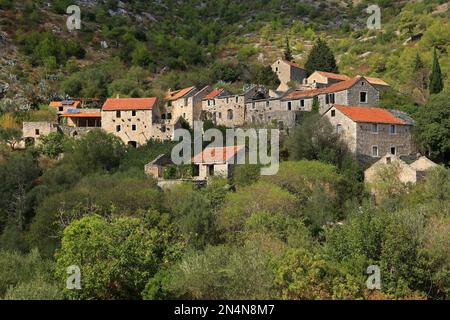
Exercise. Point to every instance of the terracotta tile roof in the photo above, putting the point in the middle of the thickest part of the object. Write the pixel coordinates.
(214, 94)
(336, 76)
(217, 155)
(376, 81)
(340, 86)
(83, 115)
(368, 114)
(175, 95)
(129, 104)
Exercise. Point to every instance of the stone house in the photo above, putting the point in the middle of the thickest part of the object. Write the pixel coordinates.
(33, 131)
(230, 110)
(288, 71)
(185, 103)
(131, 119)
(321, 79)
(157, 166)
(353, 92)
(407, 173)
(217, 162)
(372, 132)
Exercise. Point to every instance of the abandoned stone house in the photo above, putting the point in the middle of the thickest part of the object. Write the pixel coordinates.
(230, 110)
(217, 162)
(321, 79)
(288, 71)
(184, 103)
(353, 92)
(32, 132)
(406, 173)
(372, 132)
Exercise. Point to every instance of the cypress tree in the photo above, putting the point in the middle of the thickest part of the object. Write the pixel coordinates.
(321, 58)
(436, 83)
(287, 51)
(315, 108)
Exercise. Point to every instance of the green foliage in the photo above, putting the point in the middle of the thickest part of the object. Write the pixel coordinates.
(287, 51)
(19, 272)
(97, 150)
(436, 83)
(52, 145)
(433, 128)
(116, 257)
(11, 136)
(321, 58)
(222, 273)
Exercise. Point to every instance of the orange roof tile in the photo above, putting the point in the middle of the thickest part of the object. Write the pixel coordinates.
(83, 115)
(214, 94)
(336, 76)
(129, 104)
(174, 95)
(376, 81)
(340, 86)
(368, 114)
(216, 154)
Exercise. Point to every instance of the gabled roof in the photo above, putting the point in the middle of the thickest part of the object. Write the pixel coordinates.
(336, 76)
(377, 81)
(340, 86)
(370, 115)
(213, 94)
(217, 154)
(423, 164)
(129, 104)
(177, 94)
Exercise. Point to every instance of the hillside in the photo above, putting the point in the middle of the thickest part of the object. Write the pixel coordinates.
(137, 48)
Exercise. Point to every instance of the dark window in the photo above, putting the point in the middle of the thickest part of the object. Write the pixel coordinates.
(230, 114)
(118, 114)
(289, 105)
(333, 113)
(117, 128)
(332, 98)
(133, 113)
(61, 108)
(393, 150)
(393, 129)
(37, 132)
(302, 103)
(374, 151)
(363, 97)
(211, 170)
(169, 116)
(374, 128)
(133, 127)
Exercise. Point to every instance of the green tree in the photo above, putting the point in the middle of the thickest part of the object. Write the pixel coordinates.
(287, 51)
(432, 129)
(321, 58)
(52, 144)
(315, 105)
(117, 257)
(436, 83)
(11, 136)
(96, 151)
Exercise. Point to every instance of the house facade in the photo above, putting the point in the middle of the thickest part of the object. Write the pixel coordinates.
(185, 103)
(373, 132)
(230, 110)
(217, 162)
(288, 71)
(353, 92)
(131, 119)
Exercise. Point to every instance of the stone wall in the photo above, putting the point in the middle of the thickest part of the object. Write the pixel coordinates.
(384, 140)
(347, 127)
(35, 130)
(136, 128)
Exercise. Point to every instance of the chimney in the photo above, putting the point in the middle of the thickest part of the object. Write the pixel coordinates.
(118, 96)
